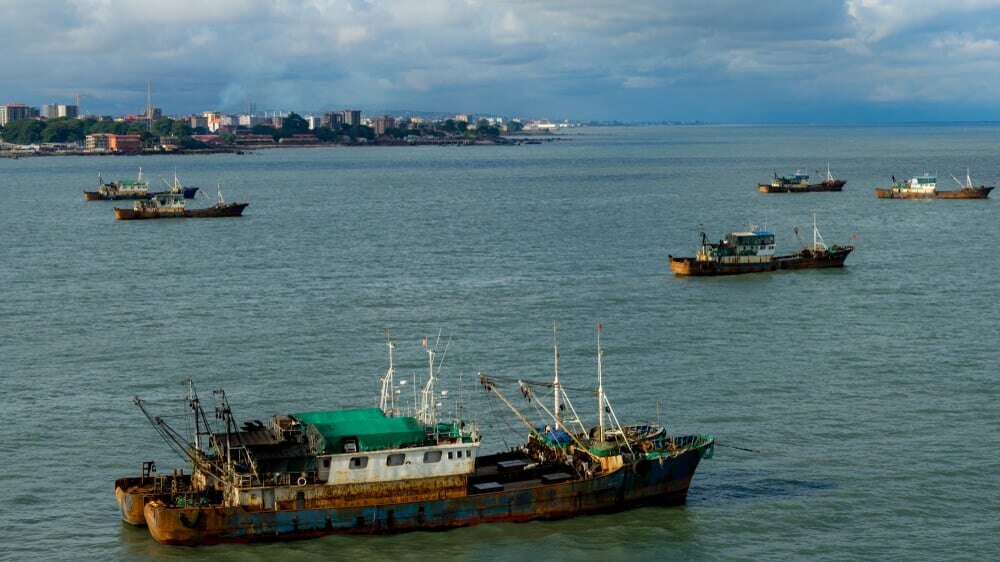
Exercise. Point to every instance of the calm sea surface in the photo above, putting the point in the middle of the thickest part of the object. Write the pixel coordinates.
(870, 393)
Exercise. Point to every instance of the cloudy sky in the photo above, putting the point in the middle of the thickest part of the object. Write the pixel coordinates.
(712, 60)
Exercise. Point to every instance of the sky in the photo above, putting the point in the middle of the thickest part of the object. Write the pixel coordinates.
(721, 61)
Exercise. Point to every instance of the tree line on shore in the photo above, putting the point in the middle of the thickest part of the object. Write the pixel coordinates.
(72, 130)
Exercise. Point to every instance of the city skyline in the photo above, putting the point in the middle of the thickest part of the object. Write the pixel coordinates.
(727, 61)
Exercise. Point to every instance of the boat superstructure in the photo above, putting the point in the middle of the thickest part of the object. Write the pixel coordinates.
(123, 189)
(377, 470)
(749, 251)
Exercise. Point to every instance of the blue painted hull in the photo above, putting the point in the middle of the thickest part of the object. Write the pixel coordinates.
(649, 482)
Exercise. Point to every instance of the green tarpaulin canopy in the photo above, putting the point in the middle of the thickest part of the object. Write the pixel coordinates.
(369, 426)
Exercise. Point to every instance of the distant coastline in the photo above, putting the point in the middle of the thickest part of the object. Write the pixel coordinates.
(522, 138)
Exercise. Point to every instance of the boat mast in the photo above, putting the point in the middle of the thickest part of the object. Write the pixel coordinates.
(818, 243)
(555, 383)
(600, 387)
(387, 402)
(192, 400)
(427, 394)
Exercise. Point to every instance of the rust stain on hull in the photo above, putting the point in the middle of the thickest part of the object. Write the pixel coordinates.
(656, 482)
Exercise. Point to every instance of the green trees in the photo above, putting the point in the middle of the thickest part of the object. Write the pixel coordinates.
(162, 126)
(181, 129)
(24, 131)
(293, 125)
(64, 130)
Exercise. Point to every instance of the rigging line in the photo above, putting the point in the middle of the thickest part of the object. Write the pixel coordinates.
(541, 384)
(494, 408)
(758, 451)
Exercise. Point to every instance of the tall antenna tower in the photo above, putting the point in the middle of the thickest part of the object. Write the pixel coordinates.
(149, 101)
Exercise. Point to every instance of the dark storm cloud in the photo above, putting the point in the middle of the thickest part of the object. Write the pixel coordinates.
(729, 60)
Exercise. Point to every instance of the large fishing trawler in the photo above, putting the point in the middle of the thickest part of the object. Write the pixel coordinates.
(799, 183)
(376, 470)
(925, 187)
(171, 205)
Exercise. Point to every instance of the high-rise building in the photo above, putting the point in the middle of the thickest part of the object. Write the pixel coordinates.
(352, 117)
(380, 124)
(332, 119)
(15, 112)
(54, 110)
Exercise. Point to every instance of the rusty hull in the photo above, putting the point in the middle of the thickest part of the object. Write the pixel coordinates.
(227, 210)
(981, 192)
(694, 267)
(809, 259)
(835, 185)
(134, 493)
(661, 481)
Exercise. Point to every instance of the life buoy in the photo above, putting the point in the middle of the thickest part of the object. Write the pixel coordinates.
(301, 481)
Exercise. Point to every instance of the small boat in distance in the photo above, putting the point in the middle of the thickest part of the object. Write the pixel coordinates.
(799, 183)
(176, 187)
(378, 470)
(123, 189)
(925, 187)
(740, 252)
(169, 205)
(819, 255)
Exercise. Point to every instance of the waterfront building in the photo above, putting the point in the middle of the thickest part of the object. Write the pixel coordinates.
(107, 142)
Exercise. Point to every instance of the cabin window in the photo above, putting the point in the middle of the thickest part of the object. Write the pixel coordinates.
(359, 462)
(468, 453)
(451, 455)
(395, 459)
(460, 454)
(326, 463)
(432, 456)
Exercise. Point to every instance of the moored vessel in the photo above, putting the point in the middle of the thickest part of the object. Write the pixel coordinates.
(122, 189)
(925, 187)
(799, 183)
(751, 251)
(171, 205)
(378, 470)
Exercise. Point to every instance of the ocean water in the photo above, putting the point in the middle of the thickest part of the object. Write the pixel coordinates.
(867, 396)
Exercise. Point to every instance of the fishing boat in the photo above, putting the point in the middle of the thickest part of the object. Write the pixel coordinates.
(799, 183)
(176, 187)
(170, 205)
(817, 255)
(925, 187)
(381, 470)
(751, 251)
(123, 189)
